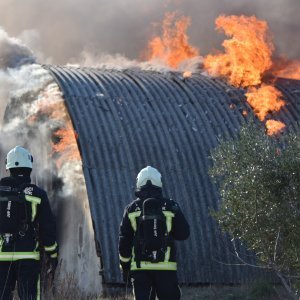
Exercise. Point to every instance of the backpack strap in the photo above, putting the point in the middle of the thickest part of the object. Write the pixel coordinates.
(26, 190)
(138, 241)
(14, 196)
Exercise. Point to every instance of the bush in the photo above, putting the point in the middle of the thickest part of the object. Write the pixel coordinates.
(259, 182)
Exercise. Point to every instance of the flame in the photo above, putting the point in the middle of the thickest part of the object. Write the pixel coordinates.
(247, 54)
(264, 99)
(274, 127)
(67, 145)
(187, 74)
(51, 105)
(173, 47)
(290, 69)
(245, 62)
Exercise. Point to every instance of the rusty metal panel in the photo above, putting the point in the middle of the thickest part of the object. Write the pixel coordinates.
(129, 119)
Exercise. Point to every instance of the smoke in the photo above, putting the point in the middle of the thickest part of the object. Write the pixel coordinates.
(13, 53)
(32, 109)
(63, 30)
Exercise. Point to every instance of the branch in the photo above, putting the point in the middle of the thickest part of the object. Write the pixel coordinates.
(241, 264)
(286, 285)
(243, 261)
(275, 247)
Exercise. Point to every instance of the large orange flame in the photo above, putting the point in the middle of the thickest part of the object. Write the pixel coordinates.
(247, 54)
(173, 47)
(67, 145)
(247, 58)
(264, 99)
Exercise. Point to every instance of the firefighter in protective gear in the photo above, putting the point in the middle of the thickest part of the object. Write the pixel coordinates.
(156, 271)
(20, 251)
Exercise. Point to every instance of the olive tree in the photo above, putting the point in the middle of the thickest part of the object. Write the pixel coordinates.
(258, 177)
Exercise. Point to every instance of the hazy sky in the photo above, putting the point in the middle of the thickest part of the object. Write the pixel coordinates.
(58, 31)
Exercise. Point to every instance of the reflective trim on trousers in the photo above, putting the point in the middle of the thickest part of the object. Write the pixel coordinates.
(38, 289)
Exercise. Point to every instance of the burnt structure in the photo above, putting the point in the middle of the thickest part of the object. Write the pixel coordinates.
(126, 120)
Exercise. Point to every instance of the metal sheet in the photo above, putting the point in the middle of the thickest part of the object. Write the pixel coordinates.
(129, 119)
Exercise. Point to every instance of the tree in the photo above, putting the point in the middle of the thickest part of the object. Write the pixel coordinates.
(258, 177)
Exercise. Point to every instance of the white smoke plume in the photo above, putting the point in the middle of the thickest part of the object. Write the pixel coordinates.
(32, 108)
(66, 29)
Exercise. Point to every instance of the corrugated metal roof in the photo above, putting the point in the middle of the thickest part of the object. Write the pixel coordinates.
(129, 119)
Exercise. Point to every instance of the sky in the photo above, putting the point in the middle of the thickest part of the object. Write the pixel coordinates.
(60, 31)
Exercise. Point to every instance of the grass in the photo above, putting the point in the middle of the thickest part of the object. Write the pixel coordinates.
(256, 291)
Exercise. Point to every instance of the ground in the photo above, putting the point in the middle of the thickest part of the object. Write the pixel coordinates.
(254, 291)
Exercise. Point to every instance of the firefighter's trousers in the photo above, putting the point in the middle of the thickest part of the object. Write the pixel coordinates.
(164, 283)
(26, 273)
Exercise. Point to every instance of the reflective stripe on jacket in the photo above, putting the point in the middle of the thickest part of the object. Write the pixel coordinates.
(41, 225)
(13, 256)
(177, 227)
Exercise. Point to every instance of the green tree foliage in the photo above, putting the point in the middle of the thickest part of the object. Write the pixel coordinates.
(259, 182)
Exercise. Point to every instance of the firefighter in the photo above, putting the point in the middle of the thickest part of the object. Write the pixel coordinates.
(149, 227)
(27, 227)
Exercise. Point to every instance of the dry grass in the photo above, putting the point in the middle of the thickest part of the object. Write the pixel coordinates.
(254, 291)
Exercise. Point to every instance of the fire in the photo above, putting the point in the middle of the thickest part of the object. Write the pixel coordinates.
(264, 99)
(173, 47)
(51, 104)
(274, 127)
(67, 145)
(187, 74)
(291, 70)
(247, 58)
(247, 54)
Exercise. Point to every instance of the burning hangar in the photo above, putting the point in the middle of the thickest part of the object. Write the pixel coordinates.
(126, 120)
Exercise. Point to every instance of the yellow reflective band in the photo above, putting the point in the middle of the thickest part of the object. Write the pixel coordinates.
(146, 265)
(12, 256)
(54, 255)
(34, 202)
(169, 215)
(1, 243)
(38, 289)
(167, 255)
(36, 246)
(33, 199)
(124, 259)
(50, 248)
(132, 217)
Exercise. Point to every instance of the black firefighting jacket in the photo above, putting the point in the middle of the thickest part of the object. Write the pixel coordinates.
(177, 227)
(41, 230)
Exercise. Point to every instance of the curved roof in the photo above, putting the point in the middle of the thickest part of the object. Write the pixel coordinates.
(129, 119)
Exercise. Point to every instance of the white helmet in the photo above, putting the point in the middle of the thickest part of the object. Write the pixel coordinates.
(18, 157)
(146, 174)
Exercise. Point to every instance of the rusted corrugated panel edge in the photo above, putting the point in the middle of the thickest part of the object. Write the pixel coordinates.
(128, 119)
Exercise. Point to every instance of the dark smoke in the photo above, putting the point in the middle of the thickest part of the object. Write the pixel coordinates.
(13, 54)
(62, 30)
